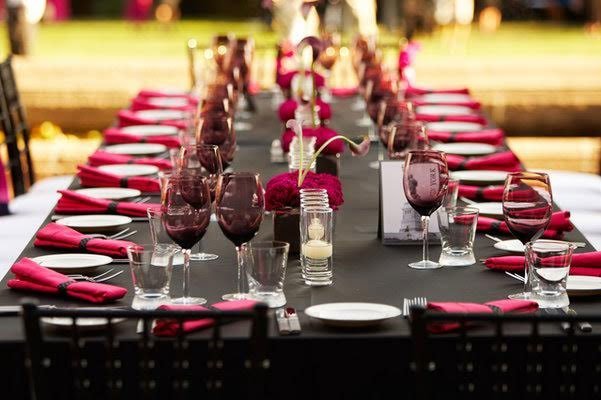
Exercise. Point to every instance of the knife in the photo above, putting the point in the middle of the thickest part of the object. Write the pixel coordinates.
(582, 325)
(282, 321)
(293, 320)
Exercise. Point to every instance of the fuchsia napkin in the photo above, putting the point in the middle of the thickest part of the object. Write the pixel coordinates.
(498, 306)
(32, 277)
(560, 223)
(170, 327)
(504, 161)
(490, 136)
(116, 136)
(57, 236)
(285, 80)
(99, 158)
(93, 177)
(166, 93)
(481, 193)
(129, 117)
(473, 104)
(288, 107)
(344, 92)
(322, 135)
(451, 118)
(582, 263)
(76, 203)
(143, 103)
(418, 91)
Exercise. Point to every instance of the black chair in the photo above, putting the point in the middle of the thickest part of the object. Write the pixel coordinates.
(16, 130)
(116, 363)
(511, 356)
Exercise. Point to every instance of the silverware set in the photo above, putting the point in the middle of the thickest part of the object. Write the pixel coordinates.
(496, 239)
(125, 233)
(103, 277)
(416, 301)
(287, 320)
(583, 326)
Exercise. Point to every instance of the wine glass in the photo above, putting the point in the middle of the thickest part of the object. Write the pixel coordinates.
(527, 208)
(425, 180)
(185, 224)
(199, 160)
(239, 205)
(403, 137)
(217, 129)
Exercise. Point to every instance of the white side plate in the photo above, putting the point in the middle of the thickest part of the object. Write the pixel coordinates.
(89, 323)
(136, 149)
(454, 126)
(579, 285)
(150, 130)
(95, 222)
(168, 101)
(129, 169)
(70, 261)
(445, 98)
(493, 208)
(352, 314)
(444, 110)
(482, 177)
(466, 148)
(110, 193)
(512, 245)
(161, 115)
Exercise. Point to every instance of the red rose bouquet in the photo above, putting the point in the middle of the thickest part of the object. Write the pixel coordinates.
(282, 191)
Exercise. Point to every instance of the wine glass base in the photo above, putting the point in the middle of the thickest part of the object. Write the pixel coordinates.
(425, 265)
(374, 165)
(519, 296)
(235, 296)
(203, 257)
(188, 300)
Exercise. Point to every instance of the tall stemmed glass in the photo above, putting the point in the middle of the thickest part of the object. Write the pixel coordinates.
(527, 210)
(425, 181)
(200, 160)
(186, 224)
(218, 130)
(239, 205)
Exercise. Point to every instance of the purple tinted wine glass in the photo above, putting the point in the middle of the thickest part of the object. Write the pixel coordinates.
(527, 210)
(186, 225)
(239, 205)
(218, 130)
(425, 181)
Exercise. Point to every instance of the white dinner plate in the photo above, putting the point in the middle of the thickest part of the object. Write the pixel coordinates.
(579, 285)
(168, 101)
(352, 314)
(445, 98)
(492, 208)
(110, 193)
(130, 169)
(95, 222)
(72, 261)
(150, 130)
(481, 177)
(454, 126)
(86, 323)
(161, 115)
(136, 149)
(466, 148)
(512, 246)
(444, 110)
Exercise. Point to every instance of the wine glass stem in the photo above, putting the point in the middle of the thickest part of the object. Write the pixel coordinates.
(526, 277)
(186, 273)
(425, 223)
(239, 259)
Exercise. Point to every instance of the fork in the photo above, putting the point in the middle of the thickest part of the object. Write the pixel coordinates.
(416, 301)
(96, 279)
(141, 199)
(113, 236)
(515, 276)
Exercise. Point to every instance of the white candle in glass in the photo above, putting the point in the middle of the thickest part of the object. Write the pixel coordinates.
(317, 249)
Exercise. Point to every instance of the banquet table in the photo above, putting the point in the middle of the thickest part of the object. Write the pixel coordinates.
(322, 362)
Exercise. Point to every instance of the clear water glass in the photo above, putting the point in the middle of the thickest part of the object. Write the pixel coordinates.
(548, 263)
(159, 235)
(265, 266)
(294, 155)
(316, 245)
(151, 267)
(450, 199)
(457, 230)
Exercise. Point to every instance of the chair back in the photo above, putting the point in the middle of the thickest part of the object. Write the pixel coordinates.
(506, 356)
(16, 130)
(115, 362)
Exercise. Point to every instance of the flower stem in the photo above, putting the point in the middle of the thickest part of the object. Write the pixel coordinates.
(302, 177)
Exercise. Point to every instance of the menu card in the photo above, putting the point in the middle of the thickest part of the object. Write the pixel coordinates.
(399, 223)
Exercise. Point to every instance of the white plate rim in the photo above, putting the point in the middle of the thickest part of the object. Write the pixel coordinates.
(118, 220)
(136, 148)
(466, 148)
(65, 322)
(101, 260)
(505, 246)
(150, 130)
(444, 109)
(313, 312)
(454, 126)
(146, 169)
(161, 114)
(480, 175)
(446, 97)
(584, 291)
(127, 193)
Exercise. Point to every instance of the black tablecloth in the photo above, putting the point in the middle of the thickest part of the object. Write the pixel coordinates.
(321, 360)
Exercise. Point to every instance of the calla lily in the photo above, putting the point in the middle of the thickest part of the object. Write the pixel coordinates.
(360, 146)
(315, 43)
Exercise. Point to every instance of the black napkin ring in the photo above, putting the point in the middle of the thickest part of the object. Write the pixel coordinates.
(123, 182)
(83, 243)
(112, 207)
(480, 193)
(495, 309)
(495, 225)
(462, 164)
(62, 287)
(452, 137)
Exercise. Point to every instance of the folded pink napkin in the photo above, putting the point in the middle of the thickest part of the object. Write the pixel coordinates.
(473, 104)
(560, 223)
(94, 177)
(418, 91)
(490, 136)
(288, 107)
(143, 103)
(76, 203)
(100, 157)
(588, 264)
(129, 117)
(55, 236)
(168, 93)
(117, 136)
(344, 91)
(498, 306)
(31, 276)
(478, 119)
(166, 327)
(504, 161)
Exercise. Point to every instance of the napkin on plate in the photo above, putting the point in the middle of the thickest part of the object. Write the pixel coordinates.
(285, 80)
(56, 236)
(490, 136)
(142, 103)
(116, 136)
(344, 91)
(498, 306)
(473, 104)
(478, 119)
(503, 161)
(33, 277)
(168, 93)
(288, 107)
(168, 327)
(100, 157)
(418, 91)
(582, 263)
(129, 117)
(481, 193)
(94, 177)
(560, 223)
(322, 135)
(76, 203)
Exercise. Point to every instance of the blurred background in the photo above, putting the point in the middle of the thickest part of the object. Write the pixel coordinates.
(534, 64)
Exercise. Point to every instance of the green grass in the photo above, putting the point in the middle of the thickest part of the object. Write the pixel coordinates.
(123, 40)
